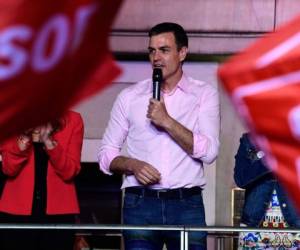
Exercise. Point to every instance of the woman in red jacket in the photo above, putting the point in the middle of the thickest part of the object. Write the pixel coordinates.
(40, 166)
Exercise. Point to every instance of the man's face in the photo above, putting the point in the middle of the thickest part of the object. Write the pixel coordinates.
(164, 54)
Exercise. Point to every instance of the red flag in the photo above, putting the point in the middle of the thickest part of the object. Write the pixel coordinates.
(264, 84)
(52, 54)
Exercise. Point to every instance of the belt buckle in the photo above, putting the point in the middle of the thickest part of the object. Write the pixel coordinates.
(161, 191)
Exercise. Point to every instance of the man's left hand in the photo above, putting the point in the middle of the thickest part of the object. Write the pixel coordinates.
(158, 114)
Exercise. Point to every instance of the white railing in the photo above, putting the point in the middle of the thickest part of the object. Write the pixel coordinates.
(184, 230)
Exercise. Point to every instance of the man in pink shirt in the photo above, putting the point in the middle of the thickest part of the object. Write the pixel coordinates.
(167, 143)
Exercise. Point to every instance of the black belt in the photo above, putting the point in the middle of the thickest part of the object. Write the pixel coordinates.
(178, 193)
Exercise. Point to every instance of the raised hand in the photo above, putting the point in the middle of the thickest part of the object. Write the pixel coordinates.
(24, 141)
(157, 113)
(46, 136)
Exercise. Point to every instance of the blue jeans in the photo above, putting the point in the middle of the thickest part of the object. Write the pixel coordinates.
(143, 210)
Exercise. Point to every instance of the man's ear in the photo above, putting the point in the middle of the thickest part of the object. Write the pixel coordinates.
(182, 53)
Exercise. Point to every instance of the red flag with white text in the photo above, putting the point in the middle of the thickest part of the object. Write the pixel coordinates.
(264, 85)
(52, 54)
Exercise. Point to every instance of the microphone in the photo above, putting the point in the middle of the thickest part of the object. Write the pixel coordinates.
(157, 80)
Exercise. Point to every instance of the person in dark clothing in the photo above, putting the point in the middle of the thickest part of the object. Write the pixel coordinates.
(266, 203)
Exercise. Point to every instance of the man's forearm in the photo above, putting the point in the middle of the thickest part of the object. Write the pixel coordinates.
(143, 172)
(122, 165)
(180, 134)
(158, 114)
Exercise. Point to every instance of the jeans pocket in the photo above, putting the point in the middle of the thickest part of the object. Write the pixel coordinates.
(132, 200)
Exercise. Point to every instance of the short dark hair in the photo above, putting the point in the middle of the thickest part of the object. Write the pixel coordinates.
(180, 35)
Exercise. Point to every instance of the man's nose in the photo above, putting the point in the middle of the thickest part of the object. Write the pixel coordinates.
(156, 56)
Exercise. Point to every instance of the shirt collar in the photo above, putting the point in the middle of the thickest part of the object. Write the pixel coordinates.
(183, 84)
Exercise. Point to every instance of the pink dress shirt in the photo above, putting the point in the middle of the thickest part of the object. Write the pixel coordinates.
(193, 103)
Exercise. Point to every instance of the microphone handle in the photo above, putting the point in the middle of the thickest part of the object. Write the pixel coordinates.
(156, 90)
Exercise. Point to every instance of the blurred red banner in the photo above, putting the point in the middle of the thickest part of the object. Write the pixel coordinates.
(52, 54)
(264, 85)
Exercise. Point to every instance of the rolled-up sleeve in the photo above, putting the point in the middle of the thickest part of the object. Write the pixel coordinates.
(115, 134)
(206, 136)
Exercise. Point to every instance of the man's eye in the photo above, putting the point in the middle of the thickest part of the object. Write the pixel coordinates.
(164, 50)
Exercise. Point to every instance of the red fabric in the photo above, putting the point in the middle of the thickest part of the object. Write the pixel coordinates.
(264, 84)
(63, 166)
(52, 54)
